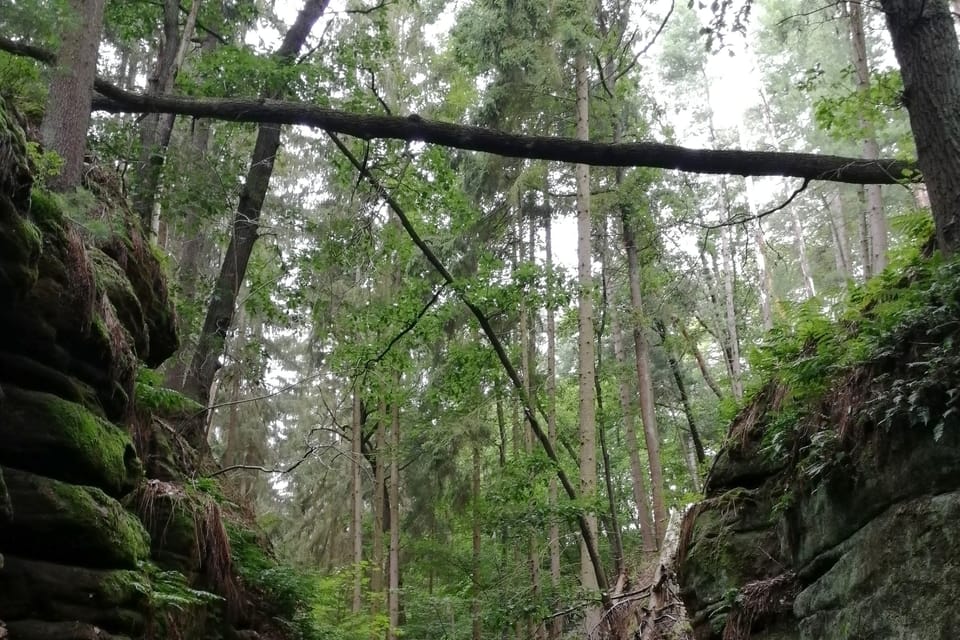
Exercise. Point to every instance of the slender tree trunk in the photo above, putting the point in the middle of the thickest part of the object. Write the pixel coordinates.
(682, 391)
(476, 617)
(379, 511)
(701, 363)
(357, 502)
(536, 629)
(838, 231)
(67, 112)
(588, 425)
(926, 46)
(766, 276)
(219, 317)
(648, 414)
(877, 223)
(805, 270)
(637, 474)
(864, 228)
(616, 542)
(729, 290)
(556, 624)
(393, 594)
(156, 128)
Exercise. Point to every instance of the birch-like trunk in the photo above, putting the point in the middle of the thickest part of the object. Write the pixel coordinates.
(556, 624)
(876, 221)
(730, 307)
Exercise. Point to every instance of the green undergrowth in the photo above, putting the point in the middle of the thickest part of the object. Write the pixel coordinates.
(886, 355)
(306, 604)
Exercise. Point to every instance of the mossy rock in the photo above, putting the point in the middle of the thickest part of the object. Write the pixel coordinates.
(31, 374)
(46, 434)
(134, 253)
(111, 599)
(72, 524)
(113, 282)
(15, 176)
(20, 244)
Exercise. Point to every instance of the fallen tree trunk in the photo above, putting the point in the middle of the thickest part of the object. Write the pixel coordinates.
(808, 166)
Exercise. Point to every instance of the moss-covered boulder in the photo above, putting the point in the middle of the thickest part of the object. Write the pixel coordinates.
(60, 439)
(71, 524)
(114, 600)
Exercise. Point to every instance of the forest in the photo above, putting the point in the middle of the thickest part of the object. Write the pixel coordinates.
(468, 294)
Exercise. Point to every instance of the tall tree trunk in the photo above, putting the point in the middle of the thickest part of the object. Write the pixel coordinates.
(587, 397)
(838, 231)
(877, 222)
(926, 45)
(67, 112)
(730, 306)
(556, 623)
(156, 128)
(536, 629)
(651, 431)
(613, 521)
(476, 617)
(393, 592)
(637, 474)
(766, 276)
(863, 225)
(356, 460)
(219, 317)
(701, 362)
(379, 509)
(805, 271)
(682, 391)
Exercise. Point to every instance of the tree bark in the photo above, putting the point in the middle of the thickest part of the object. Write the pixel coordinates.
(585, 345)
(67, 111)
(156, 129)
(556, 624)
(356, 459)
(222, 306)
(476, 618)
(648, 414)
(877, 223)
(414, 128)
(613, 526)
(639, 484)
(393, 589)
(926, 46)
(730, 306)
(379, 510)
(805, 271)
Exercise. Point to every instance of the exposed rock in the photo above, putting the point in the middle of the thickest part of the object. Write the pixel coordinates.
(111, 599)
(43, 630)
(69, 523)
(850, 530)
(45, 434)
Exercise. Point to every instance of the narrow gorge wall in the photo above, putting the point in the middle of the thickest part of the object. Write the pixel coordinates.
(101, 533)
(837, 518)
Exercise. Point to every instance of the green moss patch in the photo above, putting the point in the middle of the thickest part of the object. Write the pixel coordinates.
(113, 282)
(163, 402)
(61, 439)
(73, 524)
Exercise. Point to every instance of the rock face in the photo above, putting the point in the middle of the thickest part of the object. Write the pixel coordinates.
(84, 546)
(851, 530)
